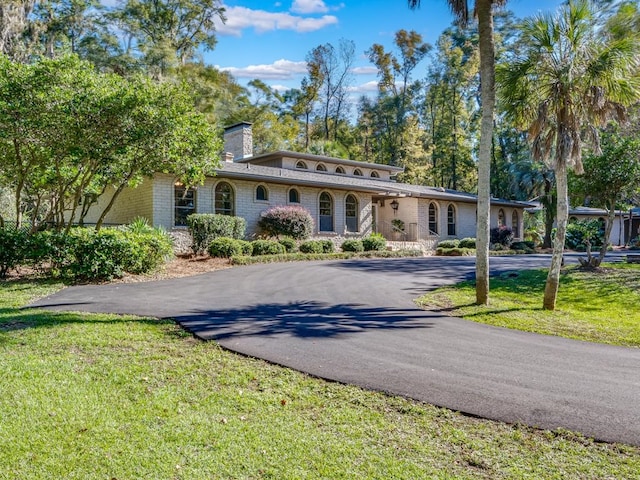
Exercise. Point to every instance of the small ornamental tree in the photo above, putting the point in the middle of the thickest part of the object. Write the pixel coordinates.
(287, 221)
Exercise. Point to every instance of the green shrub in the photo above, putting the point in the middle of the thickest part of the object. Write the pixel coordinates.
(468, 242)
(288, 243)
(584, 232)
(151, 246)
(526, 246)
(449, 243)
(12, 249)
(205, 227)
(328, 246)
(267, 247)
(502, 236)
(374, 242)
(225, 247)
(311, 246)
(291, 221)
(352, 246)
(247, 247)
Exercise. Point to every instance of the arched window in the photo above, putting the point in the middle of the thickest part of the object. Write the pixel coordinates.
(357, 172)
(294, 196)
(451, 220)
(375, 174)
(301, 165)
(321, 168)
(326, 212)
(224, 201)
(262, 194)
(351, 213)
(433, 218)
(501, 221)
(339, 169)
(515, 223)
(184, 204)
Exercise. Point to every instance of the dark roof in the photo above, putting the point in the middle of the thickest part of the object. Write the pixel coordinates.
(249, 171)
(318, 158)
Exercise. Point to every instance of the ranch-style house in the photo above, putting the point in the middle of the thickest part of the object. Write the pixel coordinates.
(347, 198)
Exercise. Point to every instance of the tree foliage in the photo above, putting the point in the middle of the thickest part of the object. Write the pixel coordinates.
(69, 134)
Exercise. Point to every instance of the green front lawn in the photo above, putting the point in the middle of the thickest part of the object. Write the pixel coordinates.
(110, 397)
(594, 306)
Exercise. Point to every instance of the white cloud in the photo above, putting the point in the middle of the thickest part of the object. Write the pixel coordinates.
(309, 6)
(280, 88)
(240, 18)
(364, 70)
(364, 88)
(279, 70)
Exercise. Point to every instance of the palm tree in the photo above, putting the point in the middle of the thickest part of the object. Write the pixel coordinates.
(484, 12)
(569, 79)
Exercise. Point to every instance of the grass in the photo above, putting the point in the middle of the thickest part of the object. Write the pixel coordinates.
(304, 257)
(89, 396)
(601, 306)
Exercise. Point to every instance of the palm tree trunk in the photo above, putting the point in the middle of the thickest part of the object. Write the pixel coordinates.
(562, 215)
(488, 97)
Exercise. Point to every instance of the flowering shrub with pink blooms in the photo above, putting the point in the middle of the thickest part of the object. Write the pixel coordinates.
(287, 221)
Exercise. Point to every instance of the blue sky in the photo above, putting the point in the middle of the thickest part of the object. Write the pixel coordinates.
(269, 39)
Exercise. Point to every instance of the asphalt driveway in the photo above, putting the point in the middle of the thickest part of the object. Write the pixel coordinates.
(354, 322)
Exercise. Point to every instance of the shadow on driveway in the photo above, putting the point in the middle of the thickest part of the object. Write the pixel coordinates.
(309, 319)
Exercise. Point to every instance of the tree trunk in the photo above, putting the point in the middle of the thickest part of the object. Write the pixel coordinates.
(488, 96)
(607, 233)
(562, 215)
(549, 216)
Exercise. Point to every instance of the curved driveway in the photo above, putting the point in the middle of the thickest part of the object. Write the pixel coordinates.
(354, 321)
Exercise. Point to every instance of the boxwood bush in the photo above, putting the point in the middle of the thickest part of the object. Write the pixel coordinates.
(290, 221)
(225, 247)
(454, 243)
(374, 242)
(288, 243)
(327, 246)
(311, 246)
(468, 242)
(204, 227)
(267, 247)
(352, 246)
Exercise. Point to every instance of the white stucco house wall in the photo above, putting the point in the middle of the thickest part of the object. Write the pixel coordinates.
(347, 198)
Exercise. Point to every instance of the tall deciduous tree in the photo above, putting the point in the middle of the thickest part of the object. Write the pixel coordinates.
(396, 90)
(569, 79)
(331, 69)
(484, 12)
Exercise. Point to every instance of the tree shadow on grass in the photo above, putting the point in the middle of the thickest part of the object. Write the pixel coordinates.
(300, 319)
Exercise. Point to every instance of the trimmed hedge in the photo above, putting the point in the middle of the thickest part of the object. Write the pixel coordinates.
(291, 221)
(455, 252)
(352, 246)
(374, 242)
(205, 227)
(295, 257)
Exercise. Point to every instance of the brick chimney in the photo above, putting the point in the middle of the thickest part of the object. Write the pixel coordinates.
(238, 140)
